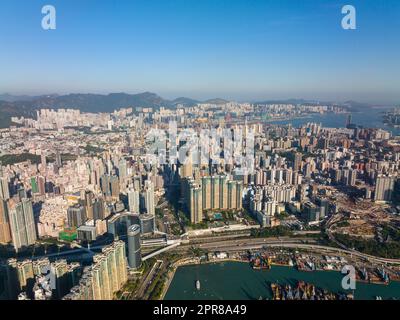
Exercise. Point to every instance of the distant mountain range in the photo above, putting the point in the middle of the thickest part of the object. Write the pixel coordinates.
(102, 103)
(12, 98)
(26, 106)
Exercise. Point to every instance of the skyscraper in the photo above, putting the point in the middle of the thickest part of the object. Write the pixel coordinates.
(187, 167)
(20, 275)
(384, 188)
(98, 209)
(206, 192)
(105, 185)
(106, 276)
(5, 232)
(88, 202)
(148, 196)
(4, 189)
(215, 187)
(232, 194)
(114, 185)
(324, 207)
(239, 191)
(147, 223)
(195, 203)
(133, 200)
(223, 192)
(134, 247)
(310, 212)
(297, 161)
(76, 215)
(216, 192)
(22, 223)
(122, 169)
(352, 177)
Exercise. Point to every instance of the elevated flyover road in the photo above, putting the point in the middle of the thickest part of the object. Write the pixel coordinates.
(242, 244)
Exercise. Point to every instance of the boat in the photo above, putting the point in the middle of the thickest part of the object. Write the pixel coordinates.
(305, 291)
(198, 284)
(276, 294)
(364, 274)
(350, 296)
(383, 275)
(310, 265)
(289, 293)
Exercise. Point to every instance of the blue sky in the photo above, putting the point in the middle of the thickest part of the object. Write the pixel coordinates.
(238, 49)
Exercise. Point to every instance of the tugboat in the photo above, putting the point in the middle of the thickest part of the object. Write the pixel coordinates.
(198, 284)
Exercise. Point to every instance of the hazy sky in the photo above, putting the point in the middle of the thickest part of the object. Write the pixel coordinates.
(238, 49)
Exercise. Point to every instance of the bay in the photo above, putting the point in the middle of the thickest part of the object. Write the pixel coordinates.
(238, 281)
(370, 118)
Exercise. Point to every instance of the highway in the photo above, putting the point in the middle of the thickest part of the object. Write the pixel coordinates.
(216, 244)
(149, 279)
(241, 244)
(295, 243)
(252, 244)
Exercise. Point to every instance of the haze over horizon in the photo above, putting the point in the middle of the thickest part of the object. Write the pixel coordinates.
(263, 50)
(22, 97)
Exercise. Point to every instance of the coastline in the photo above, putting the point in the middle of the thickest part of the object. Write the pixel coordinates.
(196, 261)
(189, 262)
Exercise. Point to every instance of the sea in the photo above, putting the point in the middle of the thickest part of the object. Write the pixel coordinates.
(238, 281)
(370, 118)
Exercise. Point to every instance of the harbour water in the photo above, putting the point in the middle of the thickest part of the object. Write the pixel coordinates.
(371, 118)
(238, 281)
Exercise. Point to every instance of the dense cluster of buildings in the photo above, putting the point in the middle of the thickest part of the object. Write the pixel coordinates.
(49, 119)
(23, 278)
(215, 192)
(106, 182)
(104, 277)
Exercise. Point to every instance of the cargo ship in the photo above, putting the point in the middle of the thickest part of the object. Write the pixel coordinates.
(276, 293)
(305, 291)
(384, 276)
(364, 276)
